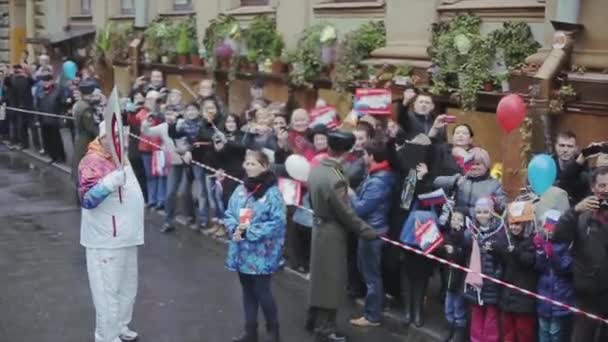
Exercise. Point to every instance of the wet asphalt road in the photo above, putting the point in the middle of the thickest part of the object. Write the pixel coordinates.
(185, 293)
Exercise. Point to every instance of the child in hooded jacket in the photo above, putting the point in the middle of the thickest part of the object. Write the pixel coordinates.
(488, 233)
(554, 263)
(518, 257)
(455, 251)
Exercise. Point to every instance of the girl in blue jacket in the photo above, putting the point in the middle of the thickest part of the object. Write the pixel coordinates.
(255, 220)
(554, 263)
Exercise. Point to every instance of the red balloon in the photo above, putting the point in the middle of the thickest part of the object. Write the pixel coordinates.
(511, 112)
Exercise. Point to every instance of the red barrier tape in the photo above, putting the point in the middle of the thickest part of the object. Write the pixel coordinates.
(395, 243)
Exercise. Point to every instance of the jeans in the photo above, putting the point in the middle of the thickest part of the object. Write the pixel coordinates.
(369, 260)
(257, 293)
(215, 196)
(455, 309)
(155, 185)
(201, 195)
(176, 174)
(554, 329)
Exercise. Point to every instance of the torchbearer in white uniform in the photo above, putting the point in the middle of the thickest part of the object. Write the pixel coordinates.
(111, 230)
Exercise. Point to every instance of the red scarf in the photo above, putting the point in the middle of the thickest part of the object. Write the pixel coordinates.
(382, 166)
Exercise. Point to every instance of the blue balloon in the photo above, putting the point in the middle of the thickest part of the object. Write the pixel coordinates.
(69, 70)
(542, 173)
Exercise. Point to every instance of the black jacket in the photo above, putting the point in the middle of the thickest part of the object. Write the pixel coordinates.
(19, 91)
(574, 179)
(50, 101)
(455, 280)
(518, 270)
(414, 124)
(589, 250)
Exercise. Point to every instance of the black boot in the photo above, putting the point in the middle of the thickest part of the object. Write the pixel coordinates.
(460, 335)
(250, 335)
(273, 332)
(450, 334)
(406, 296)
(418, 302)
(311, 320)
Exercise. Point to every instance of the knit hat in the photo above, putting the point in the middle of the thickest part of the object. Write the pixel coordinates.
(480, 155)
(484, 203)
(520, 212)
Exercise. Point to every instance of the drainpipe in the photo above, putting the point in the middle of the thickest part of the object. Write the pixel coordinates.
(141, 14)
(567, 26)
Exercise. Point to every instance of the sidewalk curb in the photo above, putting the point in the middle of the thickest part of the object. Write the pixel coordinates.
(389, 316)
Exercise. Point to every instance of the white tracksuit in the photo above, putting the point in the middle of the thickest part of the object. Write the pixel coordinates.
(111, 230)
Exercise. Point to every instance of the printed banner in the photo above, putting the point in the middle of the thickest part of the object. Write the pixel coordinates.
(326, 116)
(373, 101)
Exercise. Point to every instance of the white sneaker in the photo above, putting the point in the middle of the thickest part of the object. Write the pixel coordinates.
(128, 335)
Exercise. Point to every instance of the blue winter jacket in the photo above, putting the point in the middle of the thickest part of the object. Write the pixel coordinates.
(261, 250)
(555, 280)
(372, 200)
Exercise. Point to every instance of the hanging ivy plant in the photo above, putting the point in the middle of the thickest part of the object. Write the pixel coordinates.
(160, 38)
(516, 41)
(306, 61)
(465, 60)
(222, 39)
(263, 40)
(354, 48)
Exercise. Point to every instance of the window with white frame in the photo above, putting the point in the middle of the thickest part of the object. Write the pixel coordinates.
(127, 7)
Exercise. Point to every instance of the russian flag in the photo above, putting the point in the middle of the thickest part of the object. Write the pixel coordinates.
(430, 199)
(550, 224)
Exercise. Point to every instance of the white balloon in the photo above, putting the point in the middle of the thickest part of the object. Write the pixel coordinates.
(297, 167)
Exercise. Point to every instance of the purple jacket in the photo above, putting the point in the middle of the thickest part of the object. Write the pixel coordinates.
(555, 280)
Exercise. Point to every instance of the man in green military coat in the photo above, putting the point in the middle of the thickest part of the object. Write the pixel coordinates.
(86, 126)
(334, 219)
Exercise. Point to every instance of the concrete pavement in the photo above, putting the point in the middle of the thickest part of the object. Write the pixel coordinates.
(185, 293)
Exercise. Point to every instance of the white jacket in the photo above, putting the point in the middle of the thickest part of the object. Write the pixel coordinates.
(112, 223)
(162, 130)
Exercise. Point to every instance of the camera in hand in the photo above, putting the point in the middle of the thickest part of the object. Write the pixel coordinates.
(595, 149)
(604, 204)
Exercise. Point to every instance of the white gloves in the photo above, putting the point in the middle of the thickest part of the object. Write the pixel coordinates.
(114, 180)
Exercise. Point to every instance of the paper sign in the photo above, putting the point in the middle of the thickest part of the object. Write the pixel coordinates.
(324, 116)
(373, 101)
(291, 191)
(428, 236)
(245, 216)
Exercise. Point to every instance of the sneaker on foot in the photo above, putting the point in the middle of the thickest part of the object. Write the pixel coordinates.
(167, 228)
(364, 322)
(211, 230)
(128, 335)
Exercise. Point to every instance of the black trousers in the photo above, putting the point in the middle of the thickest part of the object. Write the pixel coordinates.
(322, 321)
(586, 329)
(257, 293)
(52, 142)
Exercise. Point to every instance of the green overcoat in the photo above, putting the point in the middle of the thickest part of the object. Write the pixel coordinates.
(334, 218)
(86, 130)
